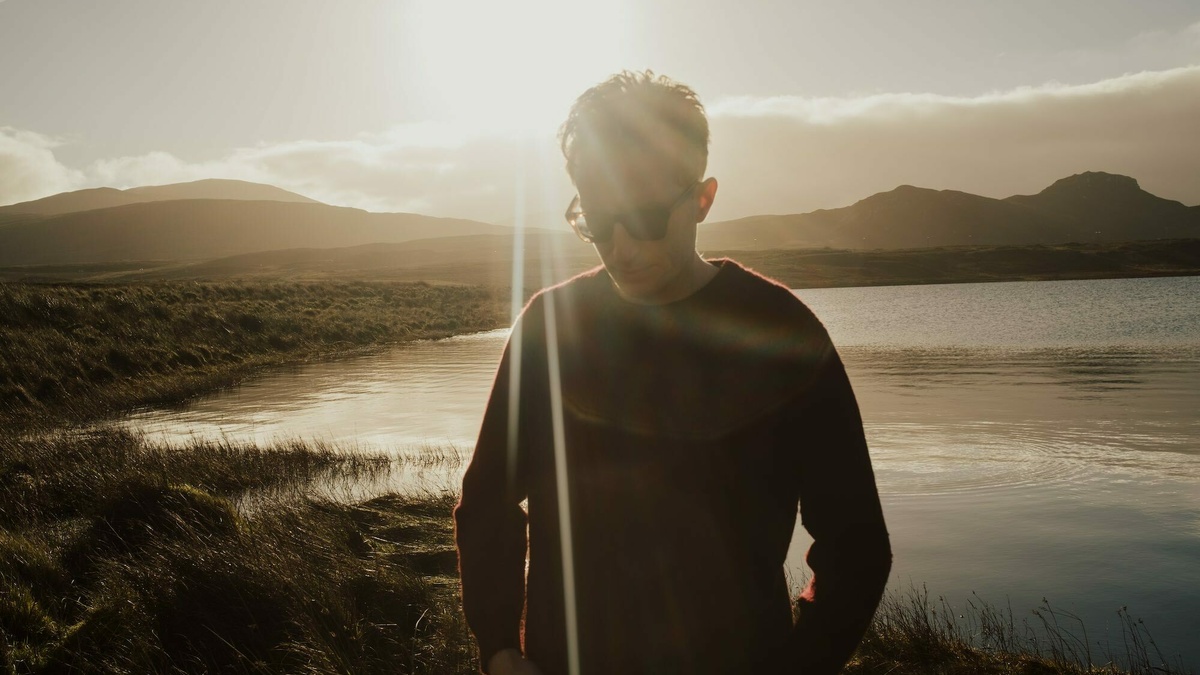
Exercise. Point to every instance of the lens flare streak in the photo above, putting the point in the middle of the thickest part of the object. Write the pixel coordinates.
(514, 344)
(564, 502)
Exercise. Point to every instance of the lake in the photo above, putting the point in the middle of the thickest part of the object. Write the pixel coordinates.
(1030, 439)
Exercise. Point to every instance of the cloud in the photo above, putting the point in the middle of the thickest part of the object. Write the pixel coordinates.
(28, 168)
(789, 154)
(772, 155)
(438, 169)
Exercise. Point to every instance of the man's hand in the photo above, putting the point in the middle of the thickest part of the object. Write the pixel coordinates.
(510, 662)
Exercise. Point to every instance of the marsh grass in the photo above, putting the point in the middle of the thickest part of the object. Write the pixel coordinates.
(71, 352)
(117, 555)
(48, 477)
(913, 634)
(306, 587)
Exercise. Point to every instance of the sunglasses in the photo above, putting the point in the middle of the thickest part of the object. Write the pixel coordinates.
(645, 224)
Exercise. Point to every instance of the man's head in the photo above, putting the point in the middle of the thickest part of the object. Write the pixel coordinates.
(636, 147)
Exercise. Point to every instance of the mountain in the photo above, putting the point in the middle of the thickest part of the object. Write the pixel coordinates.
(1112, 205)
(177, 223)
(1087, 207)
(99, 198)
(200, 229)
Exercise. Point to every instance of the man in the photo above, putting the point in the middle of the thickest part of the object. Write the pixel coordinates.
(664, 416)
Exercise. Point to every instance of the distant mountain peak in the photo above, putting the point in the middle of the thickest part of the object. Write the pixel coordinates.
(906, 188)
(218, 188)
(1094, 180)
(900, 192)
(104, 197)
(1089, 206)
(1102, 198)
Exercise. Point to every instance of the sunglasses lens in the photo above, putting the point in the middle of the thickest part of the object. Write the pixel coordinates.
(643, 225)
(602, 231)
(648, 224)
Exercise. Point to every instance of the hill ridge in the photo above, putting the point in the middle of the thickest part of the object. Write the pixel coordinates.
(1090, 207)
(89, 199)
(1093, 206)
(201, 229)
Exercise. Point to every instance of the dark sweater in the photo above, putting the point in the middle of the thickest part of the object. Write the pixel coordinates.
(691, 432)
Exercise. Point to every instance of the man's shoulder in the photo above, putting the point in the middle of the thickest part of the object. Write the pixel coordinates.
(580, 290)
(769, 300)
(754, 282)
(592, 283)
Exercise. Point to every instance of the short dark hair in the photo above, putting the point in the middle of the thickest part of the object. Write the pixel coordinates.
(638, 110)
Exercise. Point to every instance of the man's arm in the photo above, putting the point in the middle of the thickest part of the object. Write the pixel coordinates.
(489, 528)
(839, 506)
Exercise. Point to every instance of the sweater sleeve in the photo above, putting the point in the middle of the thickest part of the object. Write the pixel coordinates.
(490, 525)
(850, 557)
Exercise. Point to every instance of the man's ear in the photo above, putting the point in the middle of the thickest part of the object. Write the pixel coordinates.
(708, 192)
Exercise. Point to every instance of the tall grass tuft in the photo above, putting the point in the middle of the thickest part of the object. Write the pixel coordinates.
(913, 634)
(120, 556)
(48, 477)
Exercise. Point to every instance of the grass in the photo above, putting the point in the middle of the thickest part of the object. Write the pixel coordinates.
(72, 352)
(913, 635)
(51, 477)
(120, 556)
(117, 556)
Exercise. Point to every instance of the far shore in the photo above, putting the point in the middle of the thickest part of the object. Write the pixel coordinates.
(797, 268)
(976, 264)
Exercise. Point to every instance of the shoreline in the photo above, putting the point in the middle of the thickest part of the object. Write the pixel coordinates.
(975, 264)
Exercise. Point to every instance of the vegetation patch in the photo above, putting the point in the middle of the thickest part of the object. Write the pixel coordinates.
(48, 478)
(153, 567)
(71, 352)
(911, 635)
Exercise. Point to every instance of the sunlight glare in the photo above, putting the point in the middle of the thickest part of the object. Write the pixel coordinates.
(514, 67)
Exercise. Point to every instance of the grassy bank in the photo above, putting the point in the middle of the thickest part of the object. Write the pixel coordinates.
(119, 556)
(76, 352)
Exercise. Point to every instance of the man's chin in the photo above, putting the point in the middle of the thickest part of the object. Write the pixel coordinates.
(637, 289)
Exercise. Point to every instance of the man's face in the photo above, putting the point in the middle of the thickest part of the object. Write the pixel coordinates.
(648, 272)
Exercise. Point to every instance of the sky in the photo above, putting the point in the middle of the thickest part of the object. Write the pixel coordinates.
(451, 108)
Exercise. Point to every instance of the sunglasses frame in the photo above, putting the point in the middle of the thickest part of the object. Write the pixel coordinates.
(650, 223)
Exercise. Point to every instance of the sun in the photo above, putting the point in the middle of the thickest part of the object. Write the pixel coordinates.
(513, 66)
